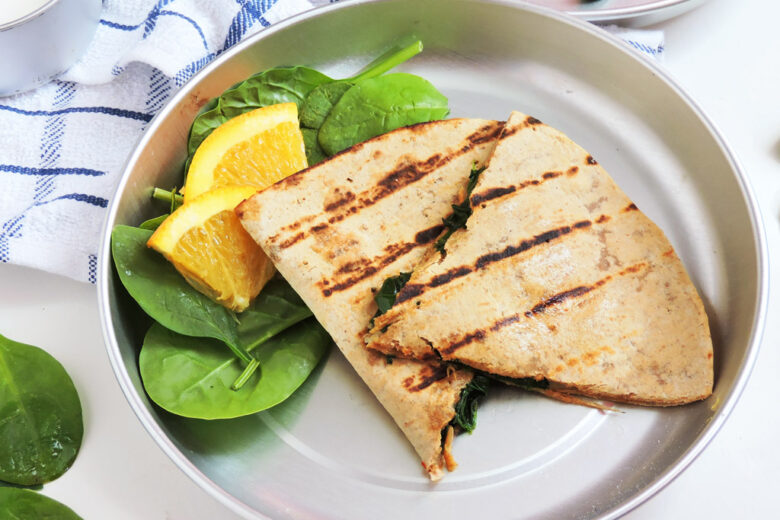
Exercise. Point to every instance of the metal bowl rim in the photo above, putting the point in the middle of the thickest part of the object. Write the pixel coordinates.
(616, 13)
(29, 16)
(693, 451)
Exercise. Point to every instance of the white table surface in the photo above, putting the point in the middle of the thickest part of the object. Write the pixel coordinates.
(726, 54)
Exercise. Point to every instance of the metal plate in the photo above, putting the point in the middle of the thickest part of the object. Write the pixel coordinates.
(626, 12)
(331, 451)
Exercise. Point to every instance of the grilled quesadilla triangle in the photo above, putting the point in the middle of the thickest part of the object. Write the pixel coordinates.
(337, 230)
(557, 276)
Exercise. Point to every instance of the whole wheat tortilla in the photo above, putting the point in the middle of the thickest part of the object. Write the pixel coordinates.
(337, 230)
(557, 276)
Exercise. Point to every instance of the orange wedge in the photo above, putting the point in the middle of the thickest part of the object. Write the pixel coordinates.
(254, 149)
(206, 243)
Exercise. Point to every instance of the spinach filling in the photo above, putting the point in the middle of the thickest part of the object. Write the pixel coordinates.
(460, 212)
(466, 407)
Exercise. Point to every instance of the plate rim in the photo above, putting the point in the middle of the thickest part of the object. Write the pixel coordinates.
(756, 220)
(628, 13)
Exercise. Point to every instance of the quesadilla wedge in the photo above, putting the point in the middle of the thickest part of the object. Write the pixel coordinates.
(557, 278)
(337, 230)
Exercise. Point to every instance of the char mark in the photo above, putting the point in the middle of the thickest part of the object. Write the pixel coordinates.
(436, 374)
(489, 258)
(291, 241)
(410, 290)
(590, 160)
(551, 175)
(405, 174)
(451, 274)
(540, 307)
(426, 236)
(529, 122)
(477, 335)
(558, 298)
(630, 207)
(346, 199)
(490, 194)
(365, 268)
(572, 171)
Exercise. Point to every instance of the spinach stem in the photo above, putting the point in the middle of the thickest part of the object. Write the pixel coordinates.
(167, 196)
(388, 60)
(245, 375)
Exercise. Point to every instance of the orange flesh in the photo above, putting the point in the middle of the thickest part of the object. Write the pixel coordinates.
(262, 159)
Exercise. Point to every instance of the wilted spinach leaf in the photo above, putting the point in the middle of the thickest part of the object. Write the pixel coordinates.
(192, 377)
(165, 295)
(41, 426)
(378, 105)
(23, 504)
(460, 212)
(385, 296)
(466, 407)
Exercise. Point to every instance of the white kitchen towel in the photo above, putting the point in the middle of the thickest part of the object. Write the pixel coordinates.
(63, 145)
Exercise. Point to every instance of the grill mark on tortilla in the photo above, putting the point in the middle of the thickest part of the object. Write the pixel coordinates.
(365, 267)
(346, 199)
(510, 131)
(556, 299)
(290, 241)
(590, 160)
(402, 176)
(494, 193)
(413, 290)
(437, 374)
(630, 207)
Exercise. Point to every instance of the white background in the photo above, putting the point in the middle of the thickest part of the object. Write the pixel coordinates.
(726, 54)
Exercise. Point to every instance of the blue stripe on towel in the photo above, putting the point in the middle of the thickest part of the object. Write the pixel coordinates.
(119, 112)
(80, 197)
(26, 170)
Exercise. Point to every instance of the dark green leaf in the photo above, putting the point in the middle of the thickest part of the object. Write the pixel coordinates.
(320, 101)
(378, 105)
(276, 85)
(275, 309)
(163, 293)
(192, 376)
(202, 127)
(466, 407)
(385, 296)
(23, 504)
(153, 223)
(314, 153)
(40, 416)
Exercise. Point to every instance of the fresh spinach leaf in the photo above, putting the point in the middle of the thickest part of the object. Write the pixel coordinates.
(314, 153)
(276, 85)
(202, 127)
(275, 309)
(165, 295)
(192, 377)
(466, 407)
(23, 504)
(320, 101)
(378, 105)
(40, 415)
(460, 212)
(153, 223)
